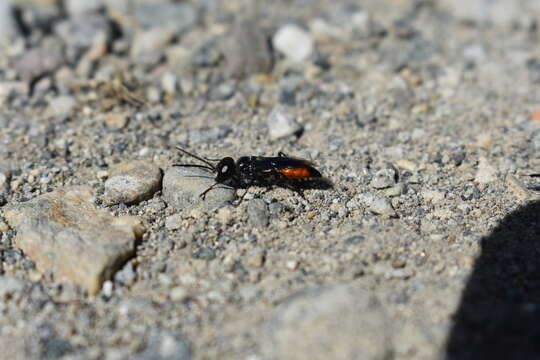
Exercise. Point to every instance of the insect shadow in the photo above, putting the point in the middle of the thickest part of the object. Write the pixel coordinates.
(282, 170)
(499, 313)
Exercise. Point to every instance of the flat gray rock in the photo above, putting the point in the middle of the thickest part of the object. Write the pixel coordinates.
(339, 322)
(183, 185)
(132, 182)
(64, 232)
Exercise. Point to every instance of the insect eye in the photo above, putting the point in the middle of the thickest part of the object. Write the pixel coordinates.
(224, 169)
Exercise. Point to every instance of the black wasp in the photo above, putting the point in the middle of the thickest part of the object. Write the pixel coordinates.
(282, 170)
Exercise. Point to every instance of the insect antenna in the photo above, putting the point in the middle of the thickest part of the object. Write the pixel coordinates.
(195, 165)
(210, 165)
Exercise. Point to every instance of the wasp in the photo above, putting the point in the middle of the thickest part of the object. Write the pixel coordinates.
(283, 171)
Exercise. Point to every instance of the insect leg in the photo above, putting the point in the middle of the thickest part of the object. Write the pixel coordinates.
(203, 194)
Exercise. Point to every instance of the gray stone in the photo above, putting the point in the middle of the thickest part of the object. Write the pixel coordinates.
(65, 233)
(222, 92)
(257, 213)
(362, 24)
(83, 32)
(150, 41)
(486, 173)
(41, 60)
(132, 182)
(10, 285)
(337, 322)
(168, 82)
(383, 179)
(8, 26)
(161, 344)
(282, 123)
(183, 185)
(377, 204)
(205, 253)
(294, 42)
(174, 222)
(62, 105)
(246, 50)
(127, 275)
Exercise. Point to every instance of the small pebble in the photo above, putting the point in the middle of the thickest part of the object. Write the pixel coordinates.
(132, 182)
(168, 82)
(115, 120)
(107, 289)
(205, 253)
(282, 123)
(174, 222)
(378, 205)
(292, 264)
(294, 42)
(383, 179)
(178, 293)
(258, 213)
(256, 258)
(224, 215)
(486, 172)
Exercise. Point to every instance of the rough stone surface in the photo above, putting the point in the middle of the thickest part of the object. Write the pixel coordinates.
(258, 212)
(339, 322)
(182, 187)
(132, 182)
(65, 233)
(40, 60)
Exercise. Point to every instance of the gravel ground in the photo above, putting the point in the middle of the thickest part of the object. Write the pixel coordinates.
(424, 114)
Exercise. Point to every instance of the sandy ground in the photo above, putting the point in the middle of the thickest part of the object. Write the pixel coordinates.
(425, 115)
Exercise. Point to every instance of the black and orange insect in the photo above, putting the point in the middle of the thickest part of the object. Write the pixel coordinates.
(283, 171)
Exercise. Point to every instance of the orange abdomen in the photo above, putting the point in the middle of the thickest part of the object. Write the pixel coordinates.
(296, 173)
